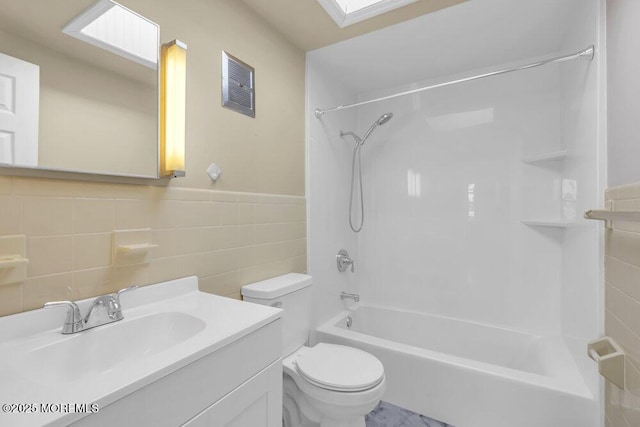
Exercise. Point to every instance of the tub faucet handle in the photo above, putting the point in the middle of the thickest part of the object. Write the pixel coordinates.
(343, 260)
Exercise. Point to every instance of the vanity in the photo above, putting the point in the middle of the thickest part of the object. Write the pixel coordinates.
(179, 357)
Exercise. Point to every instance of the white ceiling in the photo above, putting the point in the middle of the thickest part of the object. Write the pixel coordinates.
(473, 35)
(349, 12)
(306, 24)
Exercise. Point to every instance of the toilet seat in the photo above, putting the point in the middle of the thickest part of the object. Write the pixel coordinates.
(339, 368)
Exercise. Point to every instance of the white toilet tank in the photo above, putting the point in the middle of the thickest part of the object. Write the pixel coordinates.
(292, 293)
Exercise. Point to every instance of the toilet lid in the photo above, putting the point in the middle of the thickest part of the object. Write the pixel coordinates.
(340, 368)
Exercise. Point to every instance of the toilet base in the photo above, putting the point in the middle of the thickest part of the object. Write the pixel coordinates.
(297, 411)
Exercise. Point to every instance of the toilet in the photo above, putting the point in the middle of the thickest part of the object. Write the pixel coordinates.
(326, 385)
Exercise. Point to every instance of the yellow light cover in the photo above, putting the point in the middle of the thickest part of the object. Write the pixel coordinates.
(173, 94)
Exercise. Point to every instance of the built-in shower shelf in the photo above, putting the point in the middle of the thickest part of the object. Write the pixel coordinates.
(556, 223)
(552, 156)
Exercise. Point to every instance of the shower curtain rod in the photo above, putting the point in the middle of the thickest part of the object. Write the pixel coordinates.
(587, 54)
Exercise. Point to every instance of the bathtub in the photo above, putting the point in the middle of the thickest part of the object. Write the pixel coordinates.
(468, 374)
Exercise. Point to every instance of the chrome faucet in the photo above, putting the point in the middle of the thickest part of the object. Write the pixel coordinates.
(346, 295)
(343, 260)
(74, 322)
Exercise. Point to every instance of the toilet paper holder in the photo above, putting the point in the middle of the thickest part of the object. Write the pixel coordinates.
(610, 359)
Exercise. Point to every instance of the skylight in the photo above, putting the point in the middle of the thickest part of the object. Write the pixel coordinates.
(347, 12)
(115, 28)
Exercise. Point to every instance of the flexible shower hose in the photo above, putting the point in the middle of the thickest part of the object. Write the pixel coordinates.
(356, 153)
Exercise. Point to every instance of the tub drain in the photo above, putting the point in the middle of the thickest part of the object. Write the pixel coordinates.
(349, 321)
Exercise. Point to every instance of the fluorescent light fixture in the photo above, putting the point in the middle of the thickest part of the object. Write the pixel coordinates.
(173, 95)
(347, 12)
(115, 28)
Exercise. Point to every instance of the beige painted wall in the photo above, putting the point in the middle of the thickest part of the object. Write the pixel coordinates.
(265, 154)
(249, 226)
(623, 86)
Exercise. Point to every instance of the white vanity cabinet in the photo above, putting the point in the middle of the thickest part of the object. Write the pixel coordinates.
(256, 403)
(178, 357)
(239, 385)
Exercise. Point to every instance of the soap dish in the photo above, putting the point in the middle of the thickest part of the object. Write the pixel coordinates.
(10, 261)
(142, 247)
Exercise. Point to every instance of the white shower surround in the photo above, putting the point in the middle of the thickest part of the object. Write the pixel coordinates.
(445, 186)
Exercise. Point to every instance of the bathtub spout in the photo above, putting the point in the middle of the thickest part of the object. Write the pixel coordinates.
(345, 295)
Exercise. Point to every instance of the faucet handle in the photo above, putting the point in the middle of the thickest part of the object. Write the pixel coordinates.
(122, 291)
(343, 260)
(116, 311)
(74, 321)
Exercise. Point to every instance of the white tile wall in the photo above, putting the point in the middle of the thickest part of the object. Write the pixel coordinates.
(328, 174)
(457, 247)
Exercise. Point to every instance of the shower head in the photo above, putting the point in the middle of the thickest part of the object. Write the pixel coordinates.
(359, 141)
(382, 120)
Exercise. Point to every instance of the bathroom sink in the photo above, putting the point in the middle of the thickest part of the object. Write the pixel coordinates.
(97, 351)
(167, 328)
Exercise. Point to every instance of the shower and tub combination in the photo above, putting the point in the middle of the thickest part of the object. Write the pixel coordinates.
(479, 282)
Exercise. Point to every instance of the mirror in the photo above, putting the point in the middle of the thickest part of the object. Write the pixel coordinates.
(67, 104)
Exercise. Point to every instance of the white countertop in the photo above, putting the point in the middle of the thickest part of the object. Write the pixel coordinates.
(24, 382)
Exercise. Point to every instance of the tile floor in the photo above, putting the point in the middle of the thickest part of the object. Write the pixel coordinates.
(388, 415)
